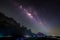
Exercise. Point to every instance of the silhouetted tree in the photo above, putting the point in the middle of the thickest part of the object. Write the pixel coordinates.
(8, 26)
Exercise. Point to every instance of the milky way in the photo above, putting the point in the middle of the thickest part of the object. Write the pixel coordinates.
(40, 20)
(32, 15)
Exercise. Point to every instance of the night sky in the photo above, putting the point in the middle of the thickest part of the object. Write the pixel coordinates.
(39, 16)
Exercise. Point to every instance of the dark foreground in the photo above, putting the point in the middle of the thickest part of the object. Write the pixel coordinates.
(41, 38)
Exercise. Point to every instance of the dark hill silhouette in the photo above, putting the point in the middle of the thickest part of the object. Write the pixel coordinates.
(8, 26)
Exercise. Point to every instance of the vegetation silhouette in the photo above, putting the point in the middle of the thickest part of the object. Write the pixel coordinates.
(8, 26)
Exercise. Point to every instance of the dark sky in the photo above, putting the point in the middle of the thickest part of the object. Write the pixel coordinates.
(46, 10)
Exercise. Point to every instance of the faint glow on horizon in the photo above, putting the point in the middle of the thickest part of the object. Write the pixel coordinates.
(27, 36)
